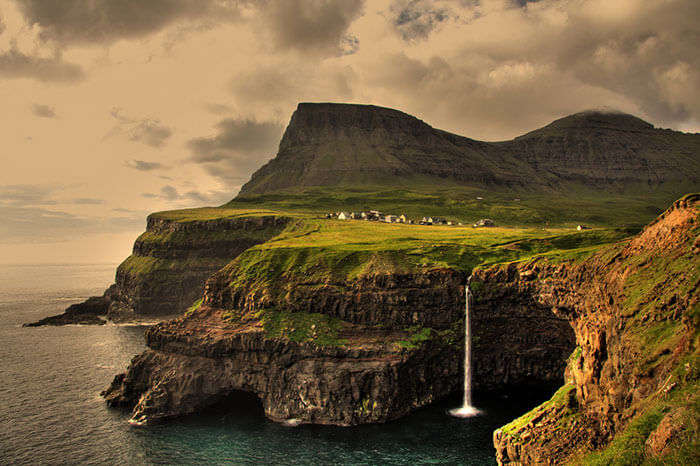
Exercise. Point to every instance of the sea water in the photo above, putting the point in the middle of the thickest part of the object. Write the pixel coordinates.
(51, 411)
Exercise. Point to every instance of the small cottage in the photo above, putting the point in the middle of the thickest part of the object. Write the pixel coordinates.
(343, 216)
(485, 222)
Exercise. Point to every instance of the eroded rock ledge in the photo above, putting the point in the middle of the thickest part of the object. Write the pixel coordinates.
(373, 350)
(633, 307)
(195, 362)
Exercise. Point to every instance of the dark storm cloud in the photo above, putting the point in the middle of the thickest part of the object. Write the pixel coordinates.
(306, 25)
(145, 130)
(239, 146)
(313, 25)
(15, 64)
(43, 111)
(105, 21)
(144, 166)
(416, 19)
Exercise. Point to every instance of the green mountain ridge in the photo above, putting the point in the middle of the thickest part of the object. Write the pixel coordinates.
(364, 146)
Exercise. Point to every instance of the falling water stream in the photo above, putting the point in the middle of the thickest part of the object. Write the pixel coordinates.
(467, 410)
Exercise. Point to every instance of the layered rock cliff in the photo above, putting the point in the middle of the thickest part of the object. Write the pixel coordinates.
(370, 349)
(631, 391)
(171, 261)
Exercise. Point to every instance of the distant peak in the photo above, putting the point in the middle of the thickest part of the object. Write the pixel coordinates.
(602, 118)
(313, 122)
(346, 109)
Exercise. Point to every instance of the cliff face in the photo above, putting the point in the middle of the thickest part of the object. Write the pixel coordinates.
(370, 349)
(171, 261)
(632, 382)
(363, 145)
(195, 362)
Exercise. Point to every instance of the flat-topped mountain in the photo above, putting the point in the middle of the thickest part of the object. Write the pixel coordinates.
(328, 144)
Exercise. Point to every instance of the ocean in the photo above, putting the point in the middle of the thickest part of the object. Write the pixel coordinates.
(51, 411)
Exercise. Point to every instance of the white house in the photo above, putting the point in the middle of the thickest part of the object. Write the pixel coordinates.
(343, 216)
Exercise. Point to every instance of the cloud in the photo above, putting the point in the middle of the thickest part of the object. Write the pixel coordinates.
(144, 166)
(87, 201)
(219, 109)
(26, 194)
(29, 214)
(416, 19)
(106, 21)
(283, 84)
(501, 68)
(43, 111)
(316, 26)
(38, 224)
(170, 193)
(239, 147)
(144, 130)
(16, 64)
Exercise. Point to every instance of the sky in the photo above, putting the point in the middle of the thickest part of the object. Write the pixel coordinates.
(115, 109)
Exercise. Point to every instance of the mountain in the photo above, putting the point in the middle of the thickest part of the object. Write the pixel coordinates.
(329, 144)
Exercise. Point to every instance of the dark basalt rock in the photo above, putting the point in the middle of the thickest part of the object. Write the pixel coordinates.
(195, 361)
(85, 313)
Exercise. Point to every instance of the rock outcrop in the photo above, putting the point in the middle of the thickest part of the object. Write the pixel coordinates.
(633, 307)
(198, 361)
(89, 312)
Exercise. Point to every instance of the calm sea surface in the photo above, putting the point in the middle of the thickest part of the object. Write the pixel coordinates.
(51, 412)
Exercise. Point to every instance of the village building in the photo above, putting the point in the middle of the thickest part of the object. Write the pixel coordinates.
(343, 216)
(485, 222)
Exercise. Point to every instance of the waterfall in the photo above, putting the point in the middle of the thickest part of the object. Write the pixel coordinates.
(467, 410)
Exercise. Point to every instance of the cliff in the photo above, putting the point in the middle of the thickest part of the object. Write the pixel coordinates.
(315, 349)
(337, 145)
(171, 261)
(631, 391)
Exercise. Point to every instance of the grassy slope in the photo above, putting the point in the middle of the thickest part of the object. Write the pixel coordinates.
(313, 249)
(334, 251)
(506, 207)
